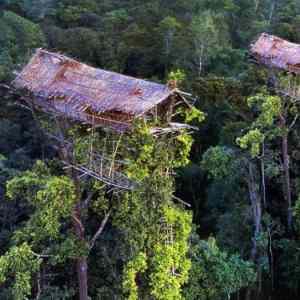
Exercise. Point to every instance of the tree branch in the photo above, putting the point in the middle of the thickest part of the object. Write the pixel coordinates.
(74, 217)
(294, 122)
(181, 201)
(99, 231)
(87, 200)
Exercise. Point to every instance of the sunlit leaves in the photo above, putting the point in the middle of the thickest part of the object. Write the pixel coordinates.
(270, 108)
(177, 76)
(166, 263)
(170, 264)
(137, 265)
(52, 197)
(155, 156)
(253, 140)
(21, 263)
(194, 114)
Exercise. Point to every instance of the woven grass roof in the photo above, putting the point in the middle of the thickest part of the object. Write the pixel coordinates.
(275, 52)
(74, 88)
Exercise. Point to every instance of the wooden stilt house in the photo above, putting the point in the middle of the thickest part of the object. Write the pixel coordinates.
(277, 53)
(61, 85)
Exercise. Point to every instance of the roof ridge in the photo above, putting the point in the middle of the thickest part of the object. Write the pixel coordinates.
(66, 57)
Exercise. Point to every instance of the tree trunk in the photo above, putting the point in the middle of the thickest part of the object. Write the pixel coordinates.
(81, 264)
(286, 169)
(256, 207)
(200, 61)
(287, 180)
(270, 254)
(272, 9)
(256, 210)
(263, 178)
(82, 269)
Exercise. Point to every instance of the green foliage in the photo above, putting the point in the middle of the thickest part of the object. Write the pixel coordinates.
(253, 140)
(155, 156)
(207, 40)
(159, 253)
(217, 161)
(192, 114)
(52, 200)
(70, 13)
(184, 144)
(297, 213)
(270, 108)
(264, 127)
(53, 292)
(70, 39)
(170, 265)
(168, 28)
(289, 263)
(216, 274)
(177, 76)
(52, 197)
(21, 263)
(166, 263)
(18, 37)
(134, 267)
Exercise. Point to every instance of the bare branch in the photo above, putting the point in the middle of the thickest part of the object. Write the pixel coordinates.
(181, 201)
(78, 222)
(99, 231)
(294, 122)
(87, 200)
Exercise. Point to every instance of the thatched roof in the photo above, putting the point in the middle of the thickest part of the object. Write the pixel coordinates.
(277, 53)
(74, 88)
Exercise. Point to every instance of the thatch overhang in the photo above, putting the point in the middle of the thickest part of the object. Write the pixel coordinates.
(277, 53)
(59, 84)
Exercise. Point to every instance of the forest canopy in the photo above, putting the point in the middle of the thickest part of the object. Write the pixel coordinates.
(216, 210)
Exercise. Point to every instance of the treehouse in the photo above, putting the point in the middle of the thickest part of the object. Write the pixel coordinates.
(63, 86)
(68, 90)
(277, 53)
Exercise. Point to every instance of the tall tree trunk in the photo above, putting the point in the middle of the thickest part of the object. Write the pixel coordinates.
(65, 153)
(82, 274)
(81, 264)
(270, 254)
(256, 207)
(286, 169)
(263, 177)
(272, 9)
(257, 2)
(287, 180)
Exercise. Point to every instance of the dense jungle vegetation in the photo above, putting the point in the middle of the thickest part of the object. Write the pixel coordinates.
(240, 173)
